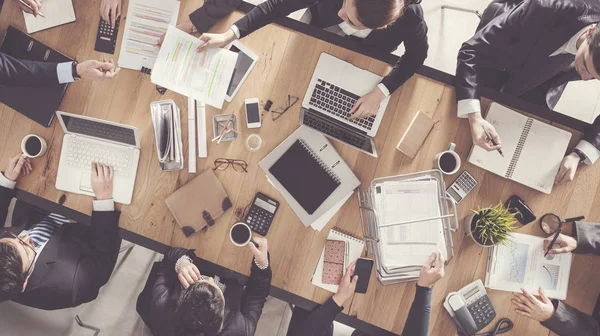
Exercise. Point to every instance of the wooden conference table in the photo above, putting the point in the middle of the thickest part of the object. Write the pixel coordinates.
(287, 60)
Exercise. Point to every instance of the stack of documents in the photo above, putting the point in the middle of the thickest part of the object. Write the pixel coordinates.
(166, 119)
(410, 227)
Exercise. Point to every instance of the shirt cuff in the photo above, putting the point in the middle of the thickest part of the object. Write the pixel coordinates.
(384, 89)
(235, 30)
(468, 106)
(6, 183)
(64, 71)
(104, 205)
(591, 153)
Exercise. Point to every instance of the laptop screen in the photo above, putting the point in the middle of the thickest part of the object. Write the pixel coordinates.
(99, 130)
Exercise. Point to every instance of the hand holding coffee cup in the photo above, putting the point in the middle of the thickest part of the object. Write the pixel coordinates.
(260, 250)
(33, 146)
(17, 165)
(448, 161)
(241, 235)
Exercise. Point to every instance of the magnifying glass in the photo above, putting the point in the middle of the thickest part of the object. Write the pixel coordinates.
(551, 223)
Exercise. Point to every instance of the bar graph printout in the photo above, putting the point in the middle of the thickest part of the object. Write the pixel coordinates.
(146, 23)
(202, 76)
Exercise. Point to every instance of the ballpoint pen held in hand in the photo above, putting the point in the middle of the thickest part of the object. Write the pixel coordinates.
(487, 134)
(28, 6)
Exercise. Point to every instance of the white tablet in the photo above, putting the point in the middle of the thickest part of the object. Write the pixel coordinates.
(244, 64)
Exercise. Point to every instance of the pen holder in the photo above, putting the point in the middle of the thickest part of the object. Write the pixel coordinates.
(220, 121)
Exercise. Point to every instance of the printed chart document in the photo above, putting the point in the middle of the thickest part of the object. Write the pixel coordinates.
(56, 12)
(202, 76)
(521, 263)
(147, 22)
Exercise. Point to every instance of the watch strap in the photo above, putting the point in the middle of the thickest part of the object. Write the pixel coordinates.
(579, 153)
(74, 70)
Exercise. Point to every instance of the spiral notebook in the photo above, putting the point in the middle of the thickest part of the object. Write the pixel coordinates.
(533, 150)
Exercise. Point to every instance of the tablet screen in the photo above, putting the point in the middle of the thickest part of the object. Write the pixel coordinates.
(243, 64)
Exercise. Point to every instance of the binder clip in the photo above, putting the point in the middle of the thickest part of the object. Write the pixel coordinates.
(146, 71)
(161, 90)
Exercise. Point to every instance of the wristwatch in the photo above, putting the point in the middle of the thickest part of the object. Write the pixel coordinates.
(74, 70)
(579, 153)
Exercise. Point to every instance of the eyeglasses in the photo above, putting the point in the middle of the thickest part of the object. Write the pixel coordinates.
(10, 235)
(278, 112)
(238, 165)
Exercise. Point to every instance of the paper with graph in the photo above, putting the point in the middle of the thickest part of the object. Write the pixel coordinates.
(521, 264)
(202, 76)
(147, 22)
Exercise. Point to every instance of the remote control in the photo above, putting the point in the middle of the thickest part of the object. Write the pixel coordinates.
(106, 38)
(461, 187)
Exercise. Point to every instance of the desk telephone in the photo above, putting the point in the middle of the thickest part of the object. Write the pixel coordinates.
(470, 308)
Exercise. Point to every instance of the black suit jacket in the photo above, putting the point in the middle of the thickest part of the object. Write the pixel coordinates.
(15, 72)
(75, 263)
(516, 44)
(409, 28)
(243, 307)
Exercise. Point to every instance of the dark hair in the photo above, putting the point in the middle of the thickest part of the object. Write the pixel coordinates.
(12, 276)
(199, 311)
(594, 43)
(379, 13)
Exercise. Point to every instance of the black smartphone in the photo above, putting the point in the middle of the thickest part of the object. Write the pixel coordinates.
(363, 270)
(524, 213)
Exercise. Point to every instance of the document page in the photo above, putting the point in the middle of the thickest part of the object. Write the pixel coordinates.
(147, 22)
(202, 76)
(521, 264)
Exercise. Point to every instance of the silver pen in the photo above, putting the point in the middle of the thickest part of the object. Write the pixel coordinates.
(28, 6)
(489, 135)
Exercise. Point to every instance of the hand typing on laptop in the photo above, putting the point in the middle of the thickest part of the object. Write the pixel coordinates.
(102, 181)
(367, 105)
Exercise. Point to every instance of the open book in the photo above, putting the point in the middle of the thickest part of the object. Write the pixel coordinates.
(533, 150)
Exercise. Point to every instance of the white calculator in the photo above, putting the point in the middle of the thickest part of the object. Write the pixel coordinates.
(462, 186)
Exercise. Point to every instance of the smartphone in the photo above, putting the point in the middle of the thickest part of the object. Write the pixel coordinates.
(363, 269)
(252, 113)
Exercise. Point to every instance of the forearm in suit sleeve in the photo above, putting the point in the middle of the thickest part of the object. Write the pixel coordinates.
(491, 44)
(16, 72)
(6, 196)
(268, 12)
(319, 320)
(254, 297)
(417, 323)
(211, 12)
(592, 133)
(588, 238)
(416, 47)
(95, 268)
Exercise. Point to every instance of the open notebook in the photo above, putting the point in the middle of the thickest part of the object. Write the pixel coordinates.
(56, 12)
(532, 149)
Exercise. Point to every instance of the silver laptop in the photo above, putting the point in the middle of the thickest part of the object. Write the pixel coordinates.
(89, 140)
(334, 88)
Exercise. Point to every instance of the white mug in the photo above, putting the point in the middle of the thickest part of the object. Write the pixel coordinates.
(249, 234)
(449, 151)
(44, 146)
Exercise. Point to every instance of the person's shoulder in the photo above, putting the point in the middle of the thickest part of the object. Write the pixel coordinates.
(560, 7)
(413, 12)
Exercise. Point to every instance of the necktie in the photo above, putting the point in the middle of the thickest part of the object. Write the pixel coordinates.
(42, 232)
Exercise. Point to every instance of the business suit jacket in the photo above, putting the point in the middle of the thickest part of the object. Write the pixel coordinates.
(568, 321)
(516, 45)
(410, 28)
(75, 263)
(243, 307)
(16, 72)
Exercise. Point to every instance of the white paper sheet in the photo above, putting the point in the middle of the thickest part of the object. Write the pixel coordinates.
(56, 12)
(202, 76)
(147, 22)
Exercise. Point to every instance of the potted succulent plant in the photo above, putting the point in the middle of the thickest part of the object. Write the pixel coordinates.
(490, 226)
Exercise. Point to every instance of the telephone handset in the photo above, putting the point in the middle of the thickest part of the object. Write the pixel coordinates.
(470, 308)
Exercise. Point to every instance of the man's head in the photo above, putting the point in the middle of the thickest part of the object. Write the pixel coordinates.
(587, 59)
(17, 256)
(200, 310)
(372, 14)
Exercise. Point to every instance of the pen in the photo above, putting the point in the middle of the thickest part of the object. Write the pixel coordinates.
(553, 241)
(487, 133)
(28, 6)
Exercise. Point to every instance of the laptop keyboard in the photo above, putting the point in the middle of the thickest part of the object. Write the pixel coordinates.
(81, 154)
(334, 131)
(337, 101)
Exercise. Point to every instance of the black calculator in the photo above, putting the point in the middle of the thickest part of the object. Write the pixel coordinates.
(106, 38)
(261, 213)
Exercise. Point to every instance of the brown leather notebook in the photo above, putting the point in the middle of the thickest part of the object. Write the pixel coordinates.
(199, 203)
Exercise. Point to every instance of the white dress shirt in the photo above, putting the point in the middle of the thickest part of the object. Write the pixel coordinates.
(64, 71)
(468, 106)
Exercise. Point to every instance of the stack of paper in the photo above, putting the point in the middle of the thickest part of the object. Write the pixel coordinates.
(166, 118)
(410, 226)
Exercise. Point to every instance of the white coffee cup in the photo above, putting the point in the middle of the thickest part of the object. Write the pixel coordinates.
(43, 146)
(448, 161)
(241, 229)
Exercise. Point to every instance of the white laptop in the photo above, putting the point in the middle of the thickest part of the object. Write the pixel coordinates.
(90, 140)
(333, 90)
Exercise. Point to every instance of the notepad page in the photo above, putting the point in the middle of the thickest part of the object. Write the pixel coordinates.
(541, 156)
(56, 12)
(509, 126)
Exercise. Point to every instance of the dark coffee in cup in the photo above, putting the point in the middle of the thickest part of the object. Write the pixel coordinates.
(240, 234)
(447, 162)
(33, 146)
